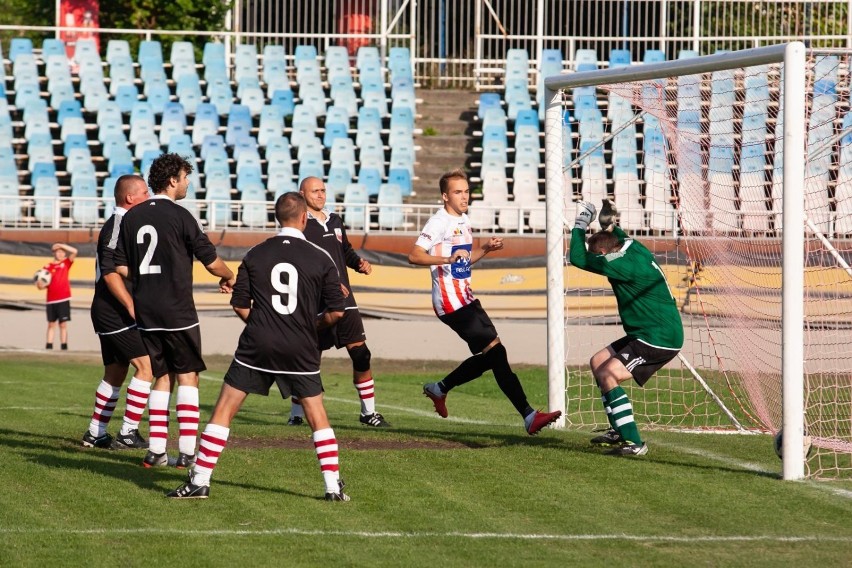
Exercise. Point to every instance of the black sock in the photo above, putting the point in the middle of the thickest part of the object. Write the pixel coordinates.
(507, 380)
(48, 345)
(64, 347)
(471, 368)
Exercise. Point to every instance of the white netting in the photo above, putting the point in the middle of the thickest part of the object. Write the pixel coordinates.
(695, 164)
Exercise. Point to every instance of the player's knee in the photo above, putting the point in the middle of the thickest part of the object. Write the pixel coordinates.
(360, 356)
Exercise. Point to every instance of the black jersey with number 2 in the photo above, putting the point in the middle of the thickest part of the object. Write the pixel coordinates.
(284, 280)
(158, 241)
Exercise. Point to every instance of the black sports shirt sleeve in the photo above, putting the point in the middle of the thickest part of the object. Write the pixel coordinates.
(351, 257)
(241, 294)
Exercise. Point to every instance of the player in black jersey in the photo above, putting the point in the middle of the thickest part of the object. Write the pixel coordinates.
(157, 244)
(121, 344)
(282, 284)
(325, 229)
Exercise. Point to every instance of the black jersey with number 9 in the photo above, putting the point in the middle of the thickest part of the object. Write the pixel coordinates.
(284, 280)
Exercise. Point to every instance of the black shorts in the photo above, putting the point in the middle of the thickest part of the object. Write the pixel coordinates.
(473, 325)
(122, 347)
(641, 359)
(254, 381)
(59, 311)
(349, 329)
(174, 351)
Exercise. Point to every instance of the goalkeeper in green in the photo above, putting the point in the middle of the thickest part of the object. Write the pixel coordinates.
(649, 316)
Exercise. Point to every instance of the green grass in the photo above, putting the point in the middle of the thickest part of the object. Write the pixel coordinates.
(429, 492)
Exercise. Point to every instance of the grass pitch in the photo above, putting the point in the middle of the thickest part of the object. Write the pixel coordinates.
(472, 490)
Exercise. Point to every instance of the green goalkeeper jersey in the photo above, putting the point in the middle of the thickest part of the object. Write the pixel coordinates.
(646, 305)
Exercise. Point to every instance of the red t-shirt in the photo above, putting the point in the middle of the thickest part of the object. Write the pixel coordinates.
(59, 289)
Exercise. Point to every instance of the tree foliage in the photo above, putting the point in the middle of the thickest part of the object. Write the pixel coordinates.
(194, 15)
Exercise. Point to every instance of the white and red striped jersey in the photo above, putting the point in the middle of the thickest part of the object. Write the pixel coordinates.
(442, 236)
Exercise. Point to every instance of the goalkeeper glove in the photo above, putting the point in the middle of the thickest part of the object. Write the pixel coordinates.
(586, 213)
(608, 216)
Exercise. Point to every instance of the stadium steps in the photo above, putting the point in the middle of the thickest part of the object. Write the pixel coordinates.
(449, 114)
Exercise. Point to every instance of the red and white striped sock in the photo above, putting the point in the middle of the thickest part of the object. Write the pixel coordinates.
(325, 445)
(106, 397)
(137, 399)
(187, 415)
(367, 394)
(158, 420)
(211, 446)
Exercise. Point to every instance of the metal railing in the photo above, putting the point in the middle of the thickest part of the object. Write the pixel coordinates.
(86, 213)
(462, 43)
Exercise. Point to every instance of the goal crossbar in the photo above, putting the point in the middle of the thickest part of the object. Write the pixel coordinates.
(792, 55)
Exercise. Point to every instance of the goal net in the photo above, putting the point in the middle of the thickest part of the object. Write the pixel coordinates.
(692, 154)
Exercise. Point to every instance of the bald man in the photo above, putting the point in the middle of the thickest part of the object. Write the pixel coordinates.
(113, 318)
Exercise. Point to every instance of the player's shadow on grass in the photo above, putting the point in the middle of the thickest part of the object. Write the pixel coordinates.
(54, 451)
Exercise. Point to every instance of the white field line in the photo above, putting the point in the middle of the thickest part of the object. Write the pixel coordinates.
(426, 535)
(837, 491)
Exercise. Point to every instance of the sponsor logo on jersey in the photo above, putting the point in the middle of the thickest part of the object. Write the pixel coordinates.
(339, 234)
(426, 236)
(460, 269)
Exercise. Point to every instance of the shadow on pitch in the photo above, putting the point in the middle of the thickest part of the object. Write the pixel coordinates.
(61, 452)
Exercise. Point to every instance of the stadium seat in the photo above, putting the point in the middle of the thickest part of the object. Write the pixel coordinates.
(355, 200)
(619, 58)
(218, 198)
(20, 46)
(338, 179)
(371, 179)
(254, 205)
(45, 195)
(284, 101)
(52, 46)
(390, 207)
(342, 155)
(84, 203)
(402, 179)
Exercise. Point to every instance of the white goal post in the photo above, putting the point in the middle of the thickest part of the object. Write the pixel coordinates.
(560, 210)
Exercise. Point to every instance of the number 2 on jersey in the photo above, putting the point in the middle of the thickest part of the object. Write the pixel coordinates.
(145, 267)
(290, 287)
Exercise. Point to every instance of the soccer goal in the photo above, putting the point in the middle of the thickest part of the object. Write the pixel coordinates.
(736, 170)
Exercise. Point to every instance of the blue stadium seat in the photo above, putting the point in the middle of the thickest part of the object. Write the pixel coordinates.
(311, 167)
(355, 199)
(181, 144)
(342, 155)
(284, 101)
(206, 123)
(402, 179)
(305, 53)
(239, 124)
(182, 52)
(52, 46)
(146, 143)
(126, 97)
(304, 125)
(19, 46)
(245, 62)
(271, 123)
(84, 203)
(218, 197)
(45, 195)
(334, 131)
(117, 48)
(367, 54)
(488, 101)
(343, 94)
(245, 144)
(517, 64)
(390, 207)
(619, 58)
(338, 179)
(70, 108)
(654, 56)
(312, 95)
(213, 51)
(371, 179)
(254, 206)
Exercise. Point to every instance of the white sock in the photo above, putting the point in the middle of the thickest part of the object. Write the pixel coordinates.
(158, 420)
(367, 394)
(325, 445)
(213, 441)
(187, 415)
(138, 392)
(106, 397)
